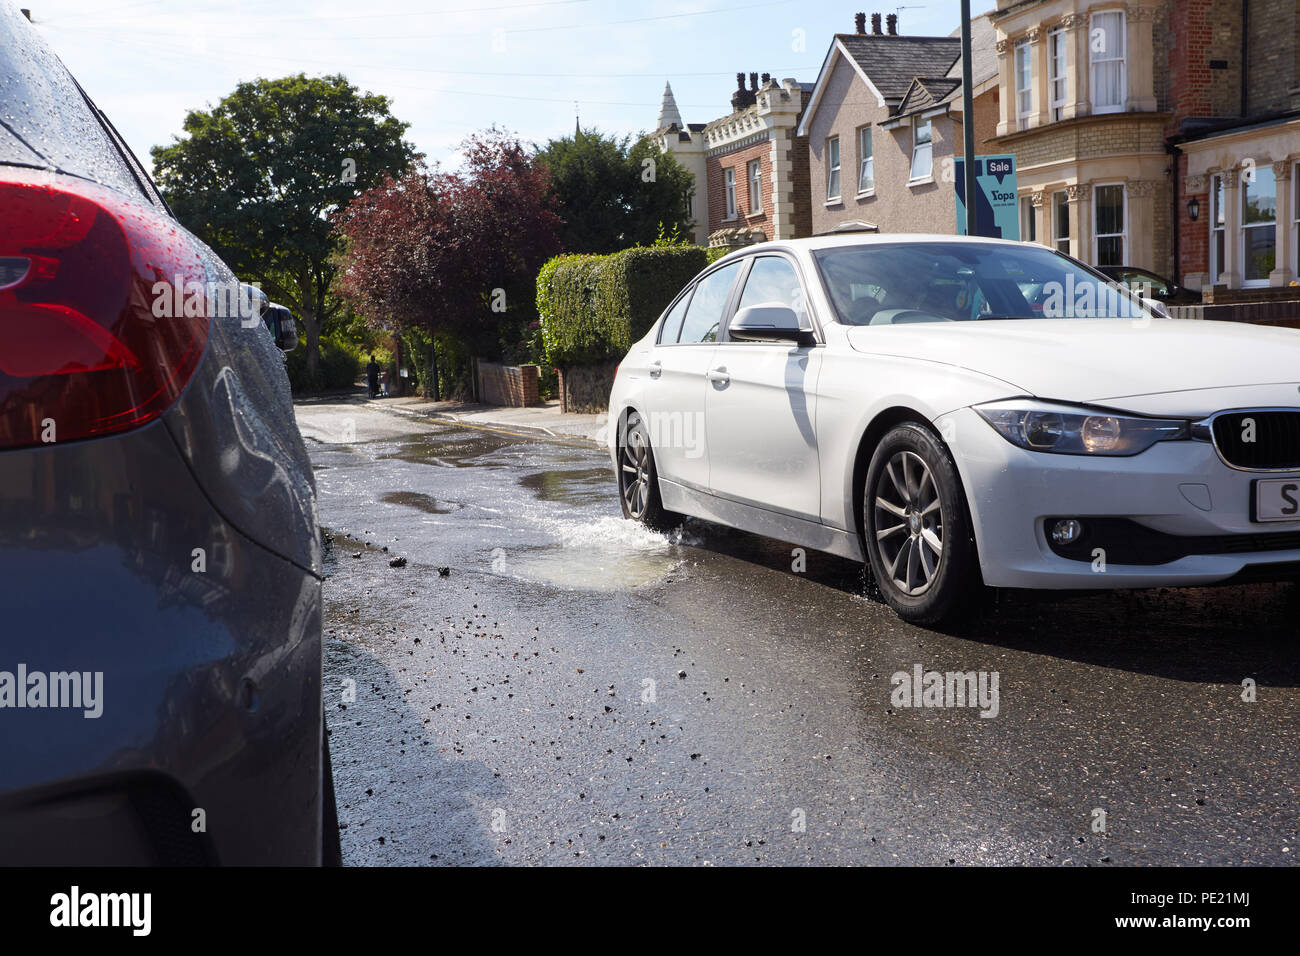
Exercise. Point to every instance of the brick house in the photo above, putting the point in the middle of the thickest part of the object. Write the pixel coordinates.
(1133, 124)
(751, 163)
(885, 124)
(1235, 130)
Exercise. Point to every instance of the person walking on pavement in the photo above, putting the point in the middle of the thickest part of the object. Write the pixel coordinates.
(372, 376)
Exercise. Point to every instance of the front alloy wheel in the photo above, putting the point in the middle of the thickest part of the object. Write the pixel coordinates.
(909, 523)
(916, 528)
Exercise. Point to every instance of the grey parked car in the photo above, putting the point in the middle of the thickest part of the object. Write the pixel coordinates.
(160, 565)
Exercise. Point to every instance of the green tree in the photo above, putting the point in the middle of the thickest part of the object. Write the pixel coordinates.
(257, 177)
(616, 193)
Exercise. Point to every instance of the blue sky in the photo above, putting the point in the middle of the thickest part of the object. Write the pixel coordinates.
(452, 66)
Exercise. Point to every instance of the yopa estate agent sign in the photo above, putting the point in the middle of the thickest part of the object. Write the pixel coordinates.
(997, 215)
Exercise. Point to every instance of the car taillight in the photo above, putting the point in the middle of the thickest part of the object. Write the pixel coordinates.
(86, 346)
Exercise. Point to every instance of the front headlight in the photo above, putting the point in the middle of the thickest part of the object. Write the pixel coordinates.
(1077, 431)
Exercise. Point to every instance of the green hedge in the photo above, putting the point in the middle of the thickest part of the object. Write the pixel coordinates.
(594, 307)
(337, 369)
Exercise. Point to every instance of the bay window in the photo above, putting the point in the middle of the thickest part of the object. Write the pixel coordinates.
(1028, 228)
(1107, 62)
(1057, 43)
(1024, 66)
(1061, 221)
(1258, 224)
(1108, 207)
(1218, 230)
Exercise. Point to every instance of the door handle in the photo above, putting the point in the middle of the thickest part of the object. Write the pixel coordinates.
(719, 375)
(656, 368)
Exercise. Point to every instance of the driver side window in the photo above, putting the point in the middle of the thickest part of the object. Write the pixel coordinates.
(773, 281)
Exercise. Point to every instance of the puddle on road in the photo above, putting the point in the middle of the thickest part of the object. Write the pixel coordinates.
(452, 449)
(421, 502)
(608, 554)
(577, 486)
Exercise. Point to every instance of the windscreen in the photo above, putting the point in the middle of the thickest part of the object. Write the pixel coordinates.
(907, 282)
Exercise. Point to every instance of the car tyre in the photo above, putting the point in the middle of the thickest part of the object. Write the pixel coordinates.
(638, 479)
(917, 529)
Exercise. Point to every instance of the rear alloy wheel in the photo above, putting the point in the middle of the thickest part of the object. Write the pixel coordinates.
(916, 527)
(638, 482)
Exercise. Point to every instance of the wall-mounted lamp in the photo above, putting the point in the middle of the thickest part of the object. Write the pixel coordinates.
(1193, 208)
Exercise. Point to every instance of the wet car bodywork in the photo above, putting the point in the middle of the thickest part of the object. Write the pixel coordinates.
(180, 558)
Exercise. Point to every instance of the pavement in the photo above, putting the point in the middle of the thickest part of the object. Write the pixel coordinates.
(516, 675)
(545, 419)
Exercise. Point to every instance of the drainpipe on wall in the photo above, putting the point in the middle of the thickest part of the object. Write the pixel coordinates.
(1245, 23)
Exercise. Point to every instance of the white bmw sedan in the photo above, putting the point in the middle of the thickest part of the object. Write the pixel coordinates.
(960, 411)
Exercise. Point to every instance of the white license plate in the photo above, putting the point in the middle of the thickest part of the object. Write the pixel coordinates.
(1277, 499)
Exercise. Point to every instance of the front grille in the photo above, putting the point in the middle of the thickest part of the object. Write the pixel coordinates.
(1276, 439)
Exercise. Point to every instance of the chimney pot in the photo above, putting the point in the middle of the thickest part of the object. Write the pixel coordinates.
(860, 22)
(753, 82)
(891, 24)
(743, 98)
(875, 24)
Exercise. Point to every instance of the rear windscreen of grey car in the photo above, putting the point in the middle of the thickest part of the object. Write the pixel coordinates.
(43, 112)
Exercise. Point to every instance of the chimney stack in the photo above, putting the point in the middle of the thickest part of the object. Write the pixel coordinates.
(875, 24)
(860, 22)
(743, 98)
(891, 24)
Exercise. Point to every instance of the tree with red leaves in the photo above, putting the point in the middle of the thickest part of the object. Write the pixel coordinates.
(445, 252)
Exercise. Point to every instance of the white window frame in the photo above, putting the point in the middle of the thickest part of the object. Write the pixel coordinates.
(729, 190)
(1122, 59)
(1060, 199)
(1295, 220)
(755, 187)
(928, 146)
(1023, 70)
(1058, 46)
(1097, 236)
(1028, 222)
(1218, 225)
(866, 163)
(833, 169)
(1243, 228)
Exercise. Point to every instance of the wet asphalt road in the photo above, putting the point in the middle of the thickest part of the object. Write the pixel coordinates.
(578, 690)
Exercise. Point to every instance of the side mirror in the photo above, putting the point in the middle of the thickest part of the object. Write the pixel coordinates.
(253, 304)
(768, 323)
(283, 328)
